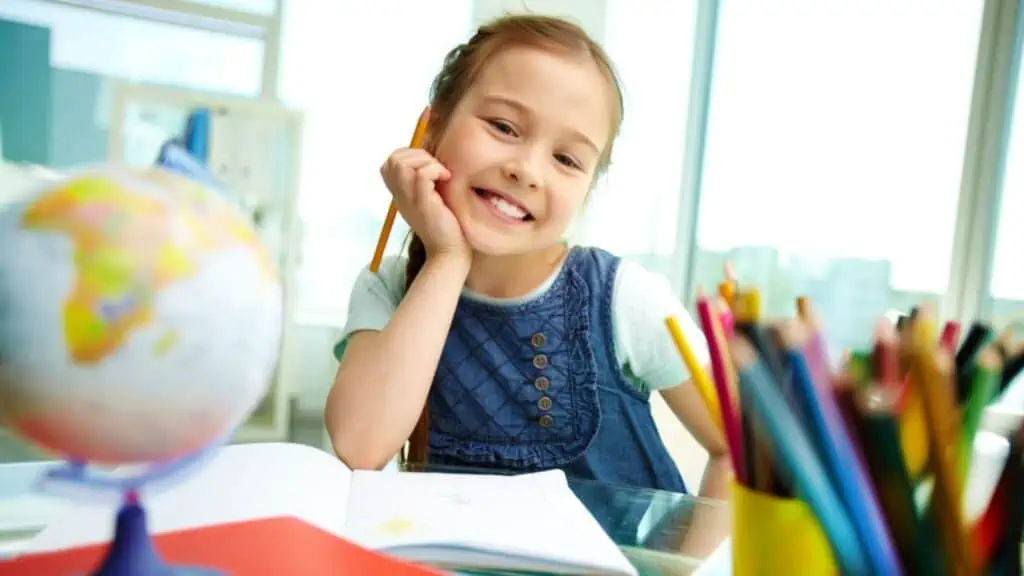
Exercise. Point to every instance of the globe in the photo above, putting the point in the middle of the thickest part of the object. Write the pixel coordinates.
(140, 315)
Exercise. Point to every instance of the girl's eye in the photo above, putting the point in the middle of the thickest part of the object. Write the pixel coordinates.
(503, 127)
(568, 161)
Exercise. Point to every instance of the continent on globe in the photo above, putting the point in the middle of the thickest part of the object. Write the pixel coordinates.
(130, 245)
(213, 223)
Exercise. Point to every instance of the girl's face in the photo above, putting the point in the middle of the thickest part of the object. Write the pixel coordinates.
(523, 147)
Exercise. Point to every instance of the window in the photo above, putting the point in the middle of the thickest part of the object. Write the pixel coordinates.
(1006, 289)
(82, 52)
(634, 209)
(262, 7)
(361, 72)
(138, 50)
(831, 124)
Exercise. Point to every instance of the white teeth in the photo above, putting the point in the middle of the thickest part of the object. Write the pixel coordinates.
(507, 208)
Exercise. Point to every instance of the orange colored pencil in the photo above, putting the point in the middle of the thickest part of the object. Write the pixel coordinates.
(389, 220)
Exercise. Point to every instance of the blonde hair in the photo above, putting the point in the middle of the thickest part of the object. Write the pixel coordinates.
(462, 67)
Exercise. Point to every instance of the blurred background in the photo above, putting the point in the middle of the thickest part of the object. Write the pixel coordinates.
(862, 152)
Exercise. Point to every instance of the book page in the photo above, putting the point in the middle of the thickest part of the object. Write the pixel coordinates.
(239, 482)
(532, 516)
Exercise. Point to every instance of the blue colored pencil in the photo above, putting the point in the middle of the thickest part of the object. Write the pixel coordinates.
(793, 446)
(829, 435)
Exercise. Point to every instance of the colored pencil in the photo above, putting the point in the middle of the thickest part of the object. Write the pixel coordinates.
(832, 441)
(803, 307)
(727, 321)
(747, 314)
(859, 368)
(914, 431)
(760, 461)
(879, 448)
(815, 350)
(721, 366)
(705, 388)
(931, 374)
(389, 221)
(727, 291)
(984, 386)
(1012, 370)
(795, 448)
(950, 336)
(997, 533)
(901, 322)
(845, 392)
(876, 424)
(977, 336)
(885, 357)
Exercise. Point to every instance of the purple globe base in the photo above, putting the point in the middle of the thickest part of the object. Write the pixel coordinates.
(132, 553)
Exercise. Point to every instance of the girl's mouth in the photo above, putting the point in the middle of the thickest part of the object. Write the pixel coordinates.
(504, 205)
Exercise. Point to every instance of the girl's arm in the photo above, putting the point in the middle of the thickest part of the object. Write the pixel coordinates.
(710, 524)
(383, 379)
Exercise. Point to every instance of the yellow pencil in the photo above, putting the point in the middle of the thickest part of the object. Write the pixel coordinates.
(389, 220)
(931, 374)
(697, 373)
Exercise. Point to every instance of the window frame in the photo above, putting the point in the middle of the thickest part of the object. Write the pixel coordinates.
(206, 17)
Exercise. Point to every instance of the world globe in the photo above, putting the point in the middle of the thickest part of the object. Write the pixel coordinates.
(140, 316)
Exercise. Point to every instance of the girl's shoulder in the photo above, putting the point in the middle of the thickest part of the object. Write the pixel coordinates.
(629, 271)
(387, 281)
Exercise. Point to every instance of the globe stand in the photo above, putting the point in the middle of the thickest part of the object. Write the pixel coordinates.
(132, 553)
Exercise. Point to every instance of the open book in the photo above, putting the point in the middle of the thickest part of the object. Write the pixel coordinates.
(531, 522)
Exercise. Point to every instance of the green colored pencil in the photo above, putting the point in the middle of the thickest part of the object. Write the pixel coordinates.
(877, 426)
(984, 386)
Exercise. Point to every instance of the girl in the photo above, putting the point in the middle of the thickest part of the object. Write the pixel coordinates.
(528, 354)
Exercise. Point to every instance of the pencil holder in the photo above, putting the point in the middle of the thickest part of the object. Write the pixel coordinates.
(772, 535)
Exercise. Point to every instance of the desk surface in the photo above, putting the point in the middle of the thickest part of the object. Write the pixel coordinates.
(657, 543)
(652, 542)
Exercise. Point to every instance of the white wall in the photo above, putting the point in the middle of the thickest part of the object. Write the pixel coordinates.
(589, 14)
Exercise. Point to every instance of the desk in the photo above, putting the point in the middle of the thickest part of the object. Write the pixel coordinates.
(651, 544)
(664, 517)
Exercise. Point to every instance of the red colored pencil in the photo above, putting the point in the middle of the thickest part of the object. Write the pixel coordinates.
(721, 374)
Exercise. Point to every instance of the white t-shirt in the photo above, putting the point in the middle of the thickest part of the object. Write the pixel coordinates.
(641, 301)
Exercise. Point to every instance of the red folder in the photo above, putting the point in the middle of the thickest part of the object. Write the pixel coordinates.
(271, 547)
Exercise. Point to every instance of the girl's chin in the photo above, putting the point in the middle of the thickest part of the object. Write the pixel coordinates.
(491, 243)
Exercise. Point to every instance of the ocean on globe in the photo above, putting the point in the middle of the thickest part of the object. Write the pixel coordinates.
(140, 316)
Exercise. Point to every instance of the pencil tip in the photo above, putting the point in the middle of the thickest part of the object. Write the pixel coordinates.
(885, 332)
(742, 351)
(791, 334)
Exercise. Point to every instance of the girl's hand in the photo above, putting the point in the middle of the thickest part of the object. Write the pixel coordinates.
(412, 174)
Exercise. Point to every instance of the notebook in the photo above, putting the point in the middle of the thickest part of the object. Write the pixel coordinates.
(531, 522)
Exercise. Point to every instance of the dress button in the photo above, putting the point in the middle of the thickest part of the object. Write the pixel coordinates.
(540, 361)
(542, 383)
(538, 339)
(546, 421)
(544, 403)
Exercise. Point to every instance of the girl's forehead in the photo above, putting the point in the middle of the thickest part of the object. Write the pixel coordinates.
(551, 86)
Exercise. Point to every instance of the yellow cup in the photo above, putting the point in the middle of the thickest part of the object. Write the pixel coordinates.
(772, 535)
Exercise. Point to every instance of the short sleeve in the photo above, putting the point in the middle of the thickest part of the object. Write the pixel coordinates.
(374, 299)
(641, 302)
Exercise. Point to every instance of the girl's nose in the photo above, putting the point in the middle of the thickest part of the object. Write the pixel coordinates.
(522, 172)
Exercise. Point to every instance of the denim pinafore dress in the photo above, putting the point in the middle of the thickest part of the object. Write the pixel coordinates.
(535, 385)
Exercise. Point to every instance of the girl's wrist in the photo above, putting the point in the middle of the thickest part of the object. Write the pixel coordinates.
(451, 262)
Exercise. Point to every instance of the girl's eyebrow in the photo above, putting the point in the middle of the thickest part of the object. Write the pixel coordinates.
(574, 134)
